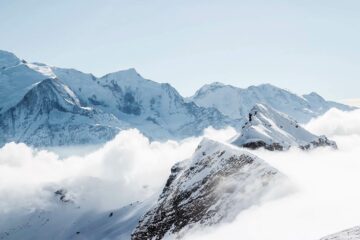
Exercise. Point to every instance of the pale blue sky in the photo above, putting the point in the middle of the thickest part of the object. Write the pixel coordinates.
(302, 45)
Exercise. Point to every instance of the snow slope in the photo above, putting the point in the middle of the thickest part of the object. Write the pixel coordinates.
(213, 186)
(237, 102)
(51, 114)
(273, 130)
(65, 218)
(349, 234)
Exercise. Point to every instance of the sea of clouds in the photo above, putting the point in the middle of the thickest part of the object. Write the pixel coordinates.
(131, 168)
(127, 169)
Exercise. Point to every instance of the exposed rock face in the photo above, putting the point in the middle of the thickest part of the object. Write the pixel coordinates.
(63, 196)
(349, 234)
(213, 186)
(273, 130)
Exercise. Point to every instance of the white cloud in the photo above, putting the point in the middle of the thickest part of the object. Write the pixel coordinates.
(336, 122)
(126, 169)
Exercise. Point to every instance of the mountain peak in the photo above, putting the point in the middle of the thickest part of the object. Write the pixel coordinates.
(264, 85)
(213, 186)
(126, 74)
(274, 130)
(314, 96)
(8, 59)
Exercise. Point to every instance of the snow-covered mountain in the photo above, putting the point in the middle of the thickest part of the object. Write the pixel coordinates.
(42, 105)
(237, 102)
(51, 114)
(274, 130)
(213, 186)
(348, 234)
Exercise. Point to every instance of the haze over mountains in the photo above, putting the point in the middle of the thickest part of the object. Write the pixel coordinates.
(43, 105)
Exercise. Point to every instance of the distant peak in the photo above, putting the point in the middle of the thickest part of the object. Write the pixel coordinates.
(209, 87)
(126, 71)
(130, 70)
(264, 86)
(130, 73)
(314, 95)
(219, 84)
(8, 59)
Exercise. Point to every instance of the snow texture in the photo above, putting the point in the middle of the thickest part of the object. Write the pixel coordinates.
(66, 219)
(349, 234)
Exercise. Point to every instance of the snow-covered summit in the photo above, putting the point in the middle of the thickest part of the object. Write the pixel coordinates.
(213, 186)
(8, 59)
(237, 102)
(274, 130)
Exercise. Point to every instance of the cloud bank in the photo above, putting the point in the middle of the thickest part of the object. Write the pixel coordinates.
(127, 169)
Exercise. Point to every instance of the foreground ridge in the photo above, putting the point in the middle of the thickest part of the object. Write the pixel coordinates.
(213, 186)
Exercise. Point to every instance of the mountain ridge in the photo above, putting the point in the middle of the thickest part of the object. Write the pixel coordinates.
(156, 109)
(237, 102)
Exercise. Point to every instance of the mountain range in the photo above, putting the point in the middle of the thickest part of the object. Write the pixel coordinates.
(237, 102)
(42, 105)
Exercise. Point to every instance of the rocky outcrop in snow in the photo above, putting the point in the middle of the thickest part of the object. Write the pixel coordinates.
(273, 130)
(213, 186)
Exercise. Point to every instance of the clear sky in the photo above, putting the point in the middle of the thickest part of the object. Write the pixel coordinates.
(301, 45)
